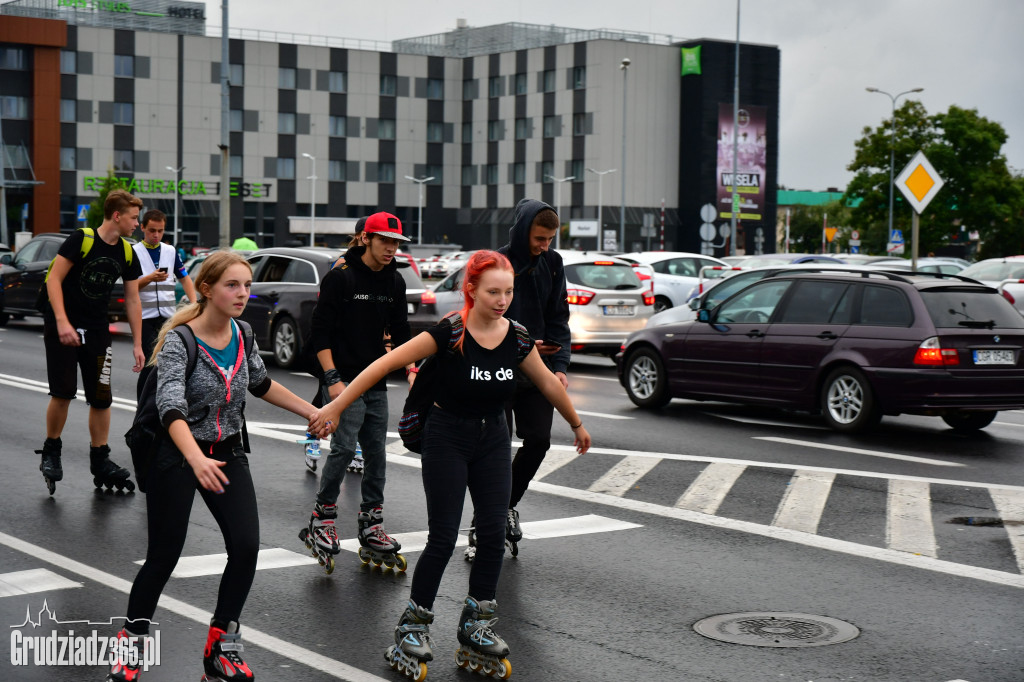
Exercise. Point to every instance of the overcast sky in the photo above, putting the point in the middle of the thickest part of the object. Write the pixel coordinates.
(966, 53)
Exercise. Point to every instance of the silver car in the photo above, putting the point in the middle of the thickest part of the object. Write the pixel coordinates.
(1004, 274)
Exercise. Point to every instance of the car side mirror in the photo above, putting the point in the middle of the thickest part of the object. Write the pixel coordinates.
(703, 315)
(6, 259)
(694, 303)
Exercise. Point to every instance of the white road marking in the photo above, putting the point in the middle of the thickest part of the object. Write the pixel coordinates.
(1010, 505)
(624, 475)
(709, 489)
(909, 526)
(553, 461)
(33, 580)
(200, 616)
(213, 564)
(591, 376)
(859, 451)
(577, 525)
(767, 422)
(603, 415)
(804, 501)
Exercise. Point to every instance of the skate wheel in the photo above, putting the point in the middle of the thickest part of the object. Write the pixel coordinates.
(320, 559)
(461, 659)
(388, 563)
(329, 565)
(514, 548)
(473, 665)
(401, 563)
(504, 670)
(50, 485)
(130, 485)
(364, 556)
(421, 673)
(96, 482)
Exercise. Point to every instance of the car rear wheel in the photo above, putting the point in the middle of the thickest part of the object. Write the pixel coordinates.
(646, 382)
(847, 401)
(662, 303)
(968, 421)
(285, 342)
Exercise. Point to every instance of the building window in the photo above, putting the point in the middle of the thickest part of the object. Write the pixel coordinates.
(235, 117)
(17, 156)
(13, 59)
(336, 170)
(576, 169)
(579, 124)
(520, 83)
(12, 106)
(286, 123)
(124, 113)
(467, 133)
(235, 166)
(494, 130)
(469, 89)
(336, 81)
(551, 126)
(124, 65)
(494, 86)
(385, 172)
(68, 107)
(286, 78)
(388, 85)
(67, 158)
(68, 61)
(385, 128)
(435, 131)
(549, 80)
(435, 88)
(547, 171)
(124, 160)
(491, 174)
(469, 175)
(236, 74)
(522, 128)
(336, 126)
(518, 173)
(579, 77)
(286, 169)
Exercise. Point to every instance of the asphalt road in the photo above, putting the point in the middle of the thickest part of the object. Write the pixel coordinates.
(675, 516)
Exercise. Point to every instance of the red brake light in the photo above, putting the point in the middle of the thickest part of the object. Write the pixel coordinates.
(648, 298)
(428, 298)
(1008, 297)
(578, 296)
(604, 262)
(931, 353)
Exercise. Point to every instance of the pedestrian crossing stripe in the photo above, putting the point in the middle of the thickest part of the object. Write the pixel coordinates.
(33, 580)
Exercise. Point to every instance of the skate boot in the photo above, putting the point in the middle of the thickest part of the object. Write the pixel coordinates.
(513, 532)
(126, 666)
(376, 545)
(357, 464)
(50, 463)
(320, 535)
(481, 649)
(412, 647)
(222, 658)
(106, 473)
(470, 552)
(312, 444)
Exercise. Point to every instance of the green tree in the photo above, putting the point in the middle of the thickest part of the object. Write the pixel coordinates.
(94, 218)
(806, 223)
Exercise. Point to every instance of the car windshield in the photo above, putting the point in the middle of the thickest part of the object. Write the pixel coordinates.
(999, 270)
(602, 275)
(970, 307)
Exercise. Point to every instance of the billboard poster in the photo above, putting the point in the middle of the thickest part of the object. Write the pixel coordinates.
(751, 161)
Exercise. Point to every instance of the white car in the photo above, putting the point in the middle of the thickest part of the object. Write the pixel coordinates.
(675, 273)
(1004, 274)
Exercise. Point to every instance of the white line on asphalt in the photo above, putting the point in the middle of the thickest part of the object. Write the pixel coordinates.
(621, 477)
(709, 489)
(767, 422)
(1010, 506)
(591, 376)
(553, 461)
(604, 415)
(804, 501)
(213, 564)
(273, 644)
(908, 518)
(859, 451)
(33, 580)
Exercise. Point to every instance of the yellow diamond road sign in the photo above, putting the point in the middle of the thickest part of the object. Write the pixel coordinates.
(919, 182)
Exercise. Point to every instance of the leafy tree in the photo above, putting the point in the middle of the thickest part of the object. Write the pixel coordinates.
(94, 218)
(806, 223)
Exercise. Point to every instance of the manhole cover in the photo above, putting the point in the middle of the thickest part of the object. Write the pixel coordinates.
(776, 629)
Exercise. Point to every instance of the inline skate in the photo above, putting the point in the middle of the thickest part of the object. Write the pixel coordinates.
(312, 448)
(376, 545)
(357, 464)
(124, 669)
(470, 552)
(222, 658)
(481, 649)
(50, 463)
(412, 647)
(106, 473)
(320, 535)
(513, 532)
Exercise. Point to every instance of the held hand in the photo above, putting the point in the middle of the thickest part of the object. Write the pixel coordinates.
(564, 379)
(324, 421)
(582, 440)
(209, 474)
(68, 334)
(140, 359)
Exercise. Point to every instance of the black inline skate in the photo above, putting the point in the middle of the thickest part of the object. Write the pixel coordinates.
(222, 658)
(376, 545)
(321, 536)
(481, 649)
(50, 463)
(106, 473)
(470, 552)
(412, 647)
(126, 667)
(513, 532)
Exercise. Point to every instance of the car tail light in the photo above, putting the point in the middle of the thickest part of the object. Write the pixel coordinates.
(576, 347)
(648, 298)
(579, 296)
(604, 262)
(428, 298)
(1006, 294)
(931, 353)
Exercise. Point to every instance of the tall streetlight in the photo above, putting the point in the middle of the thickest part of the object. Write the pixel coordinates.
(892, 144)
(622, 209)
(420, 182)
(312, 198)
(600, 225)
(558, 205)
(177, 198)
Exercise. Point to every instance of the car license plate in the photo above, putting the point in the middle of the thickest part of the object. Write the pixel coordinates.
(993, 357)
(618, 309)
(412, 308)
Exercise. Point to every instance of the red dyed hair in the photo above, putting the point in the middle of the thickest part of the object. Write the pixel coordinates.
(479, 263)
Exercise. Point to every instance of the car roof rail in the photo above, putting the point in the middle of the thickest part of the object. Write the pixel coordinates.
(935, 275)
(828, 268)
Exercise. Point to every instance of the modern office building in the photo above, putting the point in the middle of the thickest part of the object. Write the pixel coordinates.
(491, 114)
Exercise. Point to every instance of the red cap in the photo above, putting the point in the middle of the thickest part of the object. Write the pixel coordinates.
(385, 225)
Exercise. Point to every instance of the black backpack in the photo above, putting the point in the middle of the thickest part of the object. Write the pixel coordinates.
(421, 396)
(147, 433)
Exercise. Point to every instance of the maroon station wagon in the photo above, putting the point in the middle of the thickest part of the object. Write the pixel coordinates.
(852, 346)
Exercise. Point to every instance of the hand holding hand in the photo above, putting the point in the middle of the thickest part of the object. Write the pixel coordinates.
(323, 422)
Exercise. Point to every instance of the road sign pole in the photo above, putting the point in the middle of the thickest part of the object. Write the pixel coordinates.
(915, 224)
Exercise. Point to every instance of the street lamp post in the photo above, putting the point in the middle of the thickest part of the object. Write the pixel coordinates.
(177, 198)
(892, 145)
(420, 182)
(622, 208)
(558, 205)
(600, 225)
(312, 198)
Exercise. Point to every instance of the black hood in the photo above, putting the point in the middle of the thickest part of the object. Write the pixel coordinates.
(354, 259)
(519, 235)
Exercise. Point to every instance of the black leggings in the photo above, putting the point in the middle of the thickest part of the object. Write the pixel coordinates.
(459, 453)
(169, 504)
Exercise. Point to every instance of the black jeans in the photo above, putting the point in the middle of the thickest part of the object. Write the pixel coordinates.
(169, 505)
(460, 452)
(533, 416)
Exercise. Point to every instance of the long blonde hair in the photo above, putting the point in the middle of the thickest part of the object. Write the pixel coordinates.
(213, 268)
